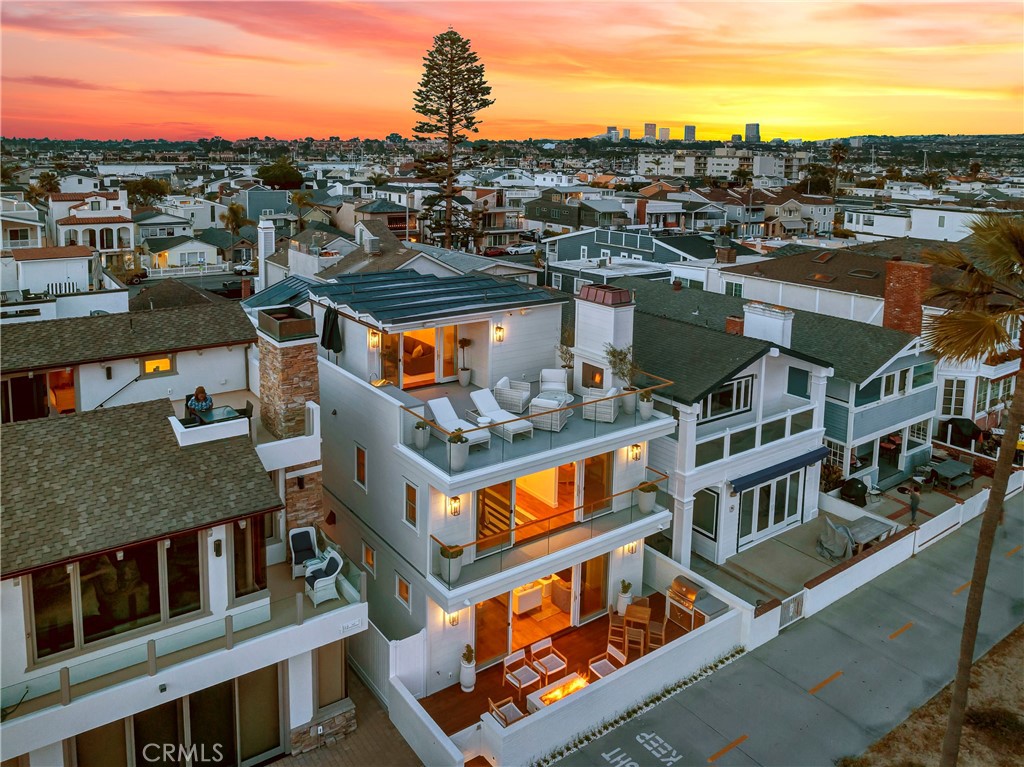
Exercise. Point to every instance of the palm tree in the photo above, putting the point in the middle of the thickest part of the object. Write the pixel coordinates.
(234, 218)
(302, 199)
(378, 179)
(986, 305)
(838, 154)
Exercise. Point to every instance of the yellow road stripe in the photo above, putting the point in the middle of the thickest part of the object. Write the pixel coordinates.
(727, 749)
(831, 679)
(961, 588)
(1011, 552)
(897, 633)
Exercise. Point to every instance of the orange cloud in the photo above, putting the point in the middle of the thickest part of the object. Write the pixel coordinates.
(811, 69)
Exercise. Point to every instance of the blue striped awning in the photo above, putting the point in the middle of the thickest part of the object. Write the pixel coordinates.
(766, 475)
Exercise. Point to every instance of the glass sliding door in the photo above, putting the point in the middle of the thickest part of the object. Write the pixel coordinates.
(159, 726)
(259, 716)
(769, 508)
(390, 349)
(492, 629)
(597, 483)
(419, 357)
(211, 716)
(493, 517)
(593, 588)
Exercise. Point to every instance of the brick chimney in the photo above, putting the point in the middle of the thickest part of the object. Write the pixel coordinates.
(906, 283)
(641, 211)
(734, 325)
(246, 288)
(725, 255)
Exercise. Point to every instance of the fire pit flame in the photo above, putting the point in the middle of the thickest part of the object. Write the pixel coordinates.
(563, 690)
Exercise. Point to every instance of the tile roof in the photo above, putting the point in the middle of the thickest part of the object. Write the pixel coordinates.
(87, 493)
(42, 254)
(78, 340)
(77, 196)
(855, 350)
(397, 297)
(69, 220)
(171, 294)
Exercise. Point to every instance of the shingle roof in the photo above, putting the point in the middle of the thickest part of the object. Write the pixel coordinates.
(77, 340)
(382, 206)
(219, 238)
(699, 246)
(72, 486)
(157, 244)
(855, 350)
(57, 251)
(171, 294)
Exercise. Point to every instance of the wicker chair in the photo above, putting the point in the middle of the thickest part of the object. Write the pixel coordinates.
(512, 396)
(598, 407)
(554, 379)
(321, 582)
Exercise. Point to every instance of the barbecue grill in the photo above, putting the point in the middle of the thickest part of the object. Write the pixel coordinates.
(691, 606)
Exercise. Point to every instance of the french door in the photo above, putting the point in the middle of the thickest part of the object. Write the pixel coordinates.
(769, 508)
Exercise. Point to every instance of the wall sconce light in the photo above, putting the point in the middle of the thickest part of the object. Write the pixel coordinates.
(374, 339)
(218, 547)
(499, 333)
(636, 452)
(453, 619)
(631, 548)
(120, 556)
(455, 506)
(241, 524)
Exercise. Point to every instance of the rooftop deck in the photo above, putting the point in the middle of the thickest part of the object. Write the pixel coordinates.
(576, 428)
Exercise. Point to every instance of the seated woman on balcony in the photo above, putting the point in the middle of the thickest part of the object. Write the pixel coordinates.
(200, 402)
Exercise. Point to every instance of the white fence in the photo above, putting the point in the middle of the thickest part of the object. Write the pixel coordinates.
(181, 271)
(431, 745)
(369, 652)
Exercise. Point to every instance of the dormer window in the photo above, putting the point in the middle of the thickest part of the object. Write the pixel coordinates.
(94, 205)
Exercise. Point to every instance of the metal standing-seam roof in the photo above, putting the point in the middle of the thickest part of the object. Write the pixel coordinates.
(87, 493)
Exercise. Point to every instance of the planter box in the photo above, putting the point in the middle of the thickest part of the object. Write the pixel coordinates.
(286, 323)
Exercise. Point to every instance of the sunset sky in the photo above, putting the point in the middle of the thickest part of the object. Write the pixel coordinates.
(558, 69)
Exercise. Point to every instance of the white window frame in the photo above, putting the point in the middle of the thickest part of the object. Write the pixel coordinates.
(953, 384)
(556, 280)
(370, 567)
(415, 505)
(355, 466)
(734, 289)
(836, 454)
(408, 586)
(920, 431)
(578, 284)
(742, 391)
(143, 375)
(583, 251)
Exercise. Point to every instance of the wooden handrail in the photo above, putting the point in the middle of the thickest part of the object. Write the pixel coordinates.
(518, 529)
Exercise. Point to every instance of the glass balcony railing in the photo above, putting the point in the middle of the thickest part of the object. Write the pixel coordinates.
(525, 543)
(545, 423)
(746, 434)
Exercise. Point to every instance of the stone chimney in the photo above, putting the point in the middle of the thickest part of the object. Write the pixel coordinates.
(288, 369)
(769, 323)
(734, 325)
(265, 239)
(906, 283)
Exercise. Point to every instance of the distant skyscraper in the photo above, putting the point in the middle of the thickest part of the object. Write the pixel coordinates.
(611, 128)
(625, 134)
(613, 135)
(662, 134)
(737, 137)
(689, 133)
(650, 130)
(753, 131)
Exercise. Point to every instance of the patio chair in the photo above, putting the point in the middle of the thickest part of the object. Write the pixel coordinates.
(656, 633)
(636, 638)
(302, 542)
(444, 414)
(605, 663)
(518, 673)
(547, 660)
(488, 407)
(512, 396)
(606, 410)
(505, 711)
(617, 634)
(321, 582)
(554, 379)
(641, 602)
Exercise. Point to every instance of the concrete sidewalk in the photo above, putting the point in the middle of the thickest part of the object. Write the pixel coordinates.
(831, 685)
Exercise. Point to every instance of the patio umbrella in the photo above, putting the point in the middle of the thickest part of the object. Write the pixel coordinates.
(330, 339)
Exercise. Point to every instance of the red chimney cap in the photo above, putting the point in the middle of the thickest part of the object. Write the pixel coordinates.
(606, 295)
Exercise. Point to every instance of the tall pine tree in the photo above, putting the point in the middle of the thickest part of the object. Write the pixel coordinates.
(452, 91)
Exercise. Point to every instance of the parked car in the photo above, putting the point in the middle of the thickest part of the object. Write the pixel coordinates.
(246, 267)
(494, 251)
(135, 276)
(525, 249)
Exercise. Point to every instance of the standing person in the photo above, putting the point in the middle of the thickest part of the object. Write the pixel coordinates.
(199, 402)
(915, 501)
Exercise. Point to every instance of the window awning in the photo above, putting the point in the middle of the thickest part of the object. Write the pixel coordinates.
(765, 475)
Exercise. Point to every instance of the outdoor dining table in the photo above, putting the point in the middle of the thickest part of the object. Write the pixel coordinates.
(217, 414)
(867, 530)
(950, 469)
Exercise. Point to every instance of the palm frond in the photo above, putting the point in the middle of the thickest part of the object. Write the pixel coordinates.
(962, 335)
(1001, 240)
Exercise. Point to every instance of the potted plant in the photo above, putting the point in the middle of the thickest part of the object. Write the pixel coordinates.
(452, 555)
(565, 349)
(467, 674)
(421, 434)
(624, 368)
(625, 596)
(677, 284)
(645, 499)
(464, 371)
(645, 404)
(458, 450)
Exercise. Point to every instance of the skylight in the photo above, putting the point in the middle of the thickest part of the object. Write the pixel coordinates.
(823, 257)
(819, 277)
(864, 274)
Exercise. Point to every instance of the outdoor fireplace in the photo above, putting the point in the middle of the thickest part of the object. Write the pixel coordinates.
(593, 376)
(575, 683)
